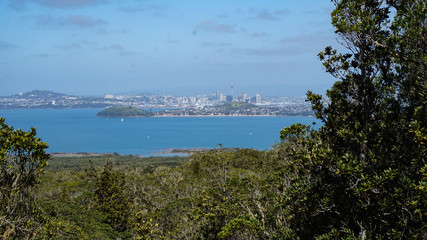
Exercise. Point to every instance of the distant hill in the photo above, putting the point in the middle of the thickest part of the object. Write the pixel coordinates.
(124, 112)
(45, 94)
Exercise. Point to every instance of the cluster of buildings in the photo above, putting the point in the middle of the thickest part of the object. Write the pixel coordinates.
(221, 98)
(216, 98)
(188, 105)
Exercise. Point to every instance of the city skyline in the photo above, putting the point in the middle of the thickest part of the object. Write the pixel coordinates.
(214, 94)
(96, 47)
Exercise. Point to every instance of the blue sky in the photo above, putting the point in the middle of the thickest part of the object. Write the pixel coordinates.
(181, 47)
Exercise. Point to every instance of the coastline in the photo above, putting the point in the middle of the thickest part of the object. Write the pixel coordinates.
(188, 151)
(78, 154)
(224, 115)
(166, 151)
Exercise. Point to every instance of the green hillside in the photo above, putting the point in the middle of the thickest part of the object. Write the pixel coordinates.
(237, 106)
(124, 112)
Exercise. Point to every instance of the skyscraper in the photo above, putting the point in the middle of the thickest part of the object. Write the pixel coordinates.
(218, 96)
(244, 97)
(257, 98)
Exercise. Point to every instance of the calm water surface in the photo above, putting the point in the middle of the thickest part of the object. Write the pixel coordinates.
(79, 130)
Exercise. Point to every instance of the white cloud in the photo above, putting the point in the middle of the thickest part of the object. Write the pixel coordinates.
(208, 26)
(73, 21)
(64, 4)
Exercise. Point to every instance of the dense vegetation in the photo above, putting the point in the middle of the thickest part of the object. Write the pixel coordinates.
(361, 175)
(124, 112)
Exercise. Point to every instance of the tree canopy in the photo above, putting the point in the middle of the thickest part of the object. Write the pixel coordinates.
(22, 159)
(364, 172)
(121, 111)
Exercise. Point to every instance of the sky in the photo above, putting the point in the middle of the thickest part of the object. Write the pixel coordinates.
(179, 47)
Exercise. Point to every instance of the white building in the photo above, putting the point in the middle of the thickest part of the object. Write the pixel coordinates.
(257, 98)
(244, 97)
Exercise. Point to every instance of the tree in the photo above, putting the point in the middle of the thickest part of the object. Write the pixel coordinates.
(111, 199)
(364, 173)
(22, 158)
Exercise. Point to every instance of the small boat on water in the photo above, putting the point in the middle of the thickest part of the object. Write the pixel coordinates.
(121, 120)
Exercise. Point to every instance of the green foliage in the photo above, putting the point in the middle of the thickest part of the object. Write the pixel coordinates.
(22, 158)
(362, 174)
(213, 192)
(124, 112)
(110, 198)
(237, 106)
(243, 227)
(295, 131)
(129, 161)
(67, 201)
(70, 220)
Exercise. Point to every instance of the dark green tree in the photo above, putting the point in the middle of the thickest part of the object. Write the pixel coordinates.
(111, 199)
(22, 158)
(363, 174)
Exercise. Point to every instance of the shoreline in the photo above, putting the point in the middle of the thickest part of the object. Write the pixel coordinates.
(187, 151)
(79, 154)
(216, 116)
(170, 116)
(166, 151)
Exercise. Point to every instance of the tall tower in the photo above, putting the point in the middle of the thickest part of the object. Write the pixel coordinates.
(232, 89)
(257, 98)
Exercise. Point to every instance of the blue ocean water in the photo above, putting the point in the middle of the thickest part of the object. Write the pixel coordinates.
(79, 130)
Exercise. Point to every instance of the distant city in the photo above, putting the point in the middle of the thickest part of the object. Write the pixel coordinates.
(175, 105)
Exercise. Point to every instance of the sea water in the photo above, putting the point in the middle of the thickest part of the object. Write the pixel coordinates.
(80, 130)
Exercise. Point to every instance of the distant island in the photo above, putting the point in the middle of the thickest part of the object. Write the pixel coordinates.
(120, 111)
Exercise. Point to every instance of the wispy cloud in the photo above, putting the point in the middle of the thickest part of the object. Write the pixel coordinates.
(41, 55)
(296, 45)
(144, 7)
(71, 21)
(208, 26)
(171, 41)
(279, 51)
(263, 14)
(260, 51)
(319, 11)
(115, 47)
(214, 44)
(6, 46)
(64, 4)
(118, 49)
(70, 46)
(307, 39)
(258, 35)
(82, 21)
